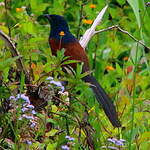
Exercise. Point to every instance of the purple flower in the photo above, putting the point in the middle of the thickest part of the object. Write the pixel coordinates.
(30, 106)
(22, 96)
(24, 109)
(33, 112)
(116, 141)
(49, 78)
(111, 140)
(12, 98)
(65, 147)
(28, 142)
(28, 117)
(110, 147)
(57, 83)
(148, 4)
(33, 124)
(69, 138)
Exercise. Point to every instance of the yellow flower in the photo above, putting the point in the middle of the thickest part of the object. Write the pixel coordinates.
(61, 33)
(19, 9)
(86, 21)
(110, 68)
(92, 6)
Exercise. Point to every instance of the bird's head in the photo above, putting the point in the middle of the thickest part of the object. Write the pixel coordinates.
(58, 23)
(59, 28)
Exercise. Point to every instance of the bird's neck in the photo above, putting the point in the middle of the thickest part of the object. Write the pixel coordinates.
(66, 38)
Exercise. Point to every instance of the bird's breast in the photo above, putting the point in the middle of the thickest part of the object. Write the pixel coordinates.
(55, 45)
(72, 49)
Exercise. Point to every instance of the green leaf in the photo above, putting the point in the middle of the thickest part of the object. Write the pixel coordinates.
(52, 132)
(28, 27)
(135, 6)
(4, 92)
(38, 6)
(51, 121)
(121, 2)
(8, 62)
(51, 146)
(70, 62)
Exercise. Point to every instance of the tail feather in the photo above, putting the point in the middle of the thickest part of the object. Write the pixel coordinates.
(104, 100)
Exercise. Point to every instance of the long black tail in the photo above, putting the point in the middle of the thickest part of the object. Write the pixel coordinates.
(104, 100)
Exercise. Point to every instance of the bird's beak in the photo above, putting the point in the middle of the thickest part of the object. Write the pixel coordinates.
(47, 16)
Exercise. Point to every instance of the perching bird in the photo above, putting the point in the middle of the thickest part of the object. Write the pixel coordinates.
(60, 37)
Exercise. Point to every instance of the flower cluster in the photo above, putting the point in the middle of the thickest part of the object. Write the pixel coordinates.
(116, 142)
(22, 102)
(69, 143)
(58, 84)
(69, 138)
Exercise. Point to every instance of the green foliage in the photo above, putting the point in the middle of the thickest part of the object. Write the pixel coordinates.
(119, 63)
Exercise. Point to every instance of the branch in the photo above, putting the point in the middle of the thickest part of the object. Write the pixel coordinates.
(123, 31)
(14, 53)
(90, 32)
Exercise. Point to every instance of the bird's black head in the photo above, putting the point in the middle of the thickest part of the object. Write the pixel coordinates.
(58, 23)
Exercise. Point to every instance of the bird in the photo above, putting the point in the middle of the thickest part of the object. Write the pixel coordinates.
(60, 38)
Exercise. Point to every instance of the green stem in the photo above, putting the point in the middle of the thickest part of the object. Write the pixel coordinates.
(134, 83)
(134, 96)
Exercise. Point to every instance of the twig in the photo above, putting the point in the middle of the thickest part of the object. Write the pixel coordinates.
(91, 31)
(123, 31)
(15, 53)
(107, 29)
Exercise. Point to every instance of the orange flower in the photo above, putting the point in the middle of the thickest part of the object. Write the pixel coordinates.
(19, 9)
(61, 33)
(87, 21)
(33, 66)
(92, 6)
(125, 58)
(110, 68)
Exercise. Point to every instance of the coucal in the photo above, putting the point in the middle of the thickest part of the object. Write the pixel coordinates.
(60, 37)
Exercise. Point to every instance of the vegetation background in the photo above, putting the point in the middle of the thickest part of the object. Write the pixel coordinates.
(73, 119)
